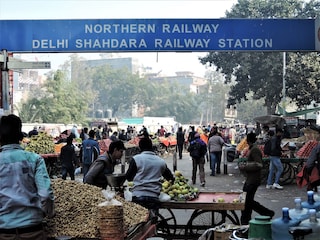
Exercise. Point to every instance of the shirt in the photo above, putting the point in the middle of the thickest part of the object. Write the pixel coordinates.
(25, 188)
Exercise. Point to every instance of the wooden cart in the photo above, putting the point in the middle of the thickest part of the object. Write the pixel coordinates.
(202, 213)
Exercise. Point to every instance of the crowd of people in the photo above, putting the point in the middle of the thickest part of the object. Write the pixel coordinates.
(145, 169)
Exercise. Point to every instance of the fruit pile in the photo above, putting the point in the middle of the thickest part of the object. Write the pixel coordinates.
(180, 189)
(41, 144)
(305, 150)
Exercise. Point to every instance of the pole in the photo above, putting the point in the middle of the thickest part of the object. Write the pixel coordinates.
(224, 158)
(174, 160)
(284, 85)
(5, 82)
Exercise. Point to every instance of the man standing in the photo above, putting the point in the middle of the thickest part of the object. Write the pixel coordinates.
(26, 196)
(146, 170)
(252, 169)
(68, 159)
(276, 167)
(198, 150)
(89, 152)
(215, 144)
(180, 141)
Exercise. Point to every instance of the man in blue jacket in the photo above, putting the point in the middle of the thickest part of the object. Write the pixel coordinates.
(89, 152)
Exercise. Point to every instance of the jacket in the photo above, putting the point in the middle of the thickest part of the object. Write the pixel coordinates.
(26, 194)
(146, 170)
(253, 166)
(97, 172)
(276, 149)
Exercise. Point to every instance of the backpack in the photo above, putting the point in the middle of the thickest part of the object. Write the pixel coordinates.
(90, 154)
(267, 147)
(195, 149)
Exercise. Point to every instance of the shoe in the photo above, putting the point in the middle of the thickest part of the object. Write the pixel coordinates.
(242, 233)
(202, 184)
(271, 214)
(269, 186)
(277, 186)
(212, 174)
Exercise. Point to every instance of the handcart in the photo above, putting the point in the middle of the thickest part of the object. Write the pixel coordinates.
(210, 209)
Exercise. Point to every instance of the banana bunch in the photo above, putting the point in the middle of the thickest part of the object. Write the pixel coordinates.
(41, 144)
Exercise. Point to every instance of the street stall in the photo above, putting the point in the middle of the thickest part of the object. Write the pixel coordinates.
(295, 153)
(197, 210)
(84, 211)
(208, 210)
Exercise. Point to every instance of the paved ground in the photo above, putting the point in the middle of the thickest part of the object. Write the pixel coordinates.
(233, 180)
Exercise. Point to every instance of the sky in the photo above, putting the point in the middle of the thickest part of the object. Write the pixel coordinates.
(166, 63)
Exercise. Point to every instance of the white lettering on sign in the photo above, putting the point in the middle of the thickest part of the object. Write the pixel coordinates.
(181, 43)
(120, 28)
(192, 28)
(50, 44)
(245, 43)
(110, 43)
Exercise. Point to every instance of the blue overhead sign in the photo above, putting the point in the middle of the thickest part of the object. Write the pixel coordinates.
(147, 35)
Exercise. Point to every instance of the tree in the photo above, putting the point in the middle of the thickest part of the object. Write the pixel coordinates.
(174, 100)
(303, 74)
(118, 89)
(259, 72)
(61, 103)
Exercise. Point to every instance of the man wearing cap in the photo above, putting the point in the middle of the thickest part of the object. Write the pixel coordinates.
(26, 196)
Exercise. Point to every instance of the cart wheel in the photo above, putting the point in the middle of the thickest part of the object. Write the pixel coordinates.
(200, 221)
(287, 176)
(264, 172)
(167, 222)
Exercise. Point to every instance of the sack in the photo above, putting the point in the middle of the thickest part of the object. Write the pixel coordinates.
(267, 147)
(195, 149)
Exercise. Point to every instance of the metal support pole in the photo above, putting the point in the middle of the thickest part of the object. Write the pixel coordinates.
(284, 84)
(5, 82)
(224, 158)
(174, 160)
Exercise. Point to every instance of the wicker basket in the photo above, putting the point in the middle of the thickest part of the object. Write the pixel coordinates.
(110, 215)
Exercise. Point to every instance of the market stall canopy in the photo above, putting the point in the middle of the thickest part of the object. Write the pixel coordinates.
(271, 120)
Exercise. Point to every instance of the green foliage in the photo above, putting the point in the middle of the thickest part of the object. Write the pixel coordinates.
(174, 100)
(262, 72)
(60, 104)
(303, 73)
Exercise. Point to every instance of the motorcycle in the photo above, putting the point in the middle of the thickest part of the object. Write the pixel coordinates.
(231, 151)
